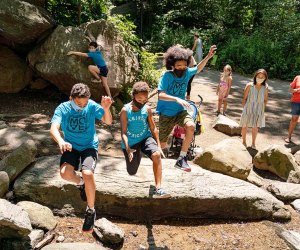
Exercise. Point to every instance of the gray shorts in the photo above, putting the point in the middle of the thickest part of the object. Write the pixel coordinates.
(148, 146)
(87, 158)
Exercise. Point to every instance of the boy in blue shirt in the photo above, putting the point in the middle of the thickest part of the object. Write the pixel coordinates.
(100, 70)
(139, 133)
(171, 105)
(76, 118)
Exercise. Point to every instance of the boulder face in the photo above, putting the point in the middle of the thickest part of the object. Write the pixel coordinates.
(15, 74)
(227, 126)
(276, 159)
(199, 194)
(223, 158)
(22, 22)
(17, 151)
(51, 62)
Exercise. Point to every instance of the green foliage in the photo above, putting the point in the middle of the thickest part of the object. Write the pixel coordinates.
(148, 72)
(75, 12)
(127, 30)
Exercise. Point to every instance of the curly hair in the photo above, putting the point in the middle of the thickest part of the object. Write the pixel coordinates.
(93, 44)
(80, 90)
(177, 53)
(140, 87)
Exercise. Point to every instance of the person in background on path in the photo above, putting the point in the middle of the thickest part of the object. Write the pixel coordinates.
(76, 118)
(224, 88)
(139, 133)
(171, 105)
(192, 64)
(254, 102)
(295, 105)
(100, 70)
(198, 48)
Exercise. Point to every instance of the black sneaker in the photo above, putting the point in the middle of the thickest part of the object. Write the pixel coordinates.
(82, 192)
(182, 164)
(89, 220)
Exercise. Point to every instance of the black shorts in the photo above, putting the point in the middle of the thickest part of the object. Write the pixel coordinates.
(148, 146)
(103, 70)
(87, 158)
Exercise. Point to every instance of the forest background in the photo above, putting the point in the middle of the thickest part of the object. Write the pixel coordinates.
(249, 34)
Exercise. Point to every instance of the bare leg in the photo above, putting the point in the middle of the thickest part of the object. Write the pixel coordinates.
(224, 105)
(189, 133)
(219, 105)
(244, 133)
(293, 124)
(90, 187)
(157, 168)
(105, 85)
(163, 145)
(254, 135)
(67, 173)
(94, 71)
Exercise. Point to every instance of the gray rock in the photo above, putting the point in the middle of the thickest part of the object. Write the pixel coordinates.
(60, 238)
(40, 216)
(285, 191)
(228, 157)
(227, 126)
(276, 159)
(22, 22)
(296, 205)
(292, 238)
(35, 237)
(51, 62)
(73, 246)
(294, 177)
(2, 125)
(15, 74)
(108, 232)
(4, 183)
(18, 149)
(199, 194)
(14, 221)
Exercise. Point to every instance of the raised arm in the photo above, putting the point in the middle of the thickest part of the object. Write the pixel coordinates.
(76, 53)
(106, 103)
(210, 54)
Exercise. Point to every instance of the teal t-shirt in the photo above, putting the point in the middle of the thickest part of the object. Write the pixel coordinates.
(137, 125)
(174, 86)
(79, 127)
(97, 58)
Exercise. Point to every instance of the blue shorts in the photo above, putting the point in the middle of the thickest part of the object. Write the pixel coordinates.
(103, 70)
(295, 108)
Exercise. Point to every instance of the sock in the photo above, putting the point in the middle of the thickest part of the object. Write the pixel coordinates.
(92, 208)
(182, 153)
(81, 181)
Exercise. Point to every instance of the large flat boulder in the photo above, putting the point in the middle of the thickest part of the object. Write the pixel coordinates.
(227, 126)
(51, 62)
(199, 194)
(17, 151)
(227, 157)
(22, 22)
(15, 74)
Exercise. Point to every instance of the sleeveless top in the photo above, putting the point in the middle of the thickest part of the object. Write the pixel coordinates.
(137, 125)
(253, 115)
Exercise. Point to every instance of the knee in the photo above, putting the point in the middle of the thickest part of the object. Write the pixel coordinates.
(156, 156)
(295, 119)
(90, 68)
(66, 174)
(87, 174)
(190, 127)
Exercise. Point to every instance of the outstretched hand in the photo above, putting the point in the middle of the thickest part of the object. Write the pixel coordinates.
(70, 53)
(212, 51)
(106, 102)
(182, 102)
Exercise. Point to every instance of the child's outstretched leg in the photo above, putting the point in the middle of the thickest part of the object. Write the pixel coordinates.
(157, 170)
(105, 85)
(244, 133)
(254, 135)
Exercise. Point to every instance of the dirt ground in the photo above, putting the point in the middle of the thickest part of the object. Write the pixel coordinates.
(32, 110)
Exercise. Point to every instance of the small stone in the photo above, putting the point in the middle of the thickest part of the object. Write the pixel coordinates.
(142, 247)
(60, 238)
(134, 233)
(9, 195)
